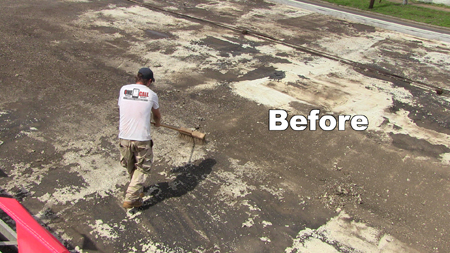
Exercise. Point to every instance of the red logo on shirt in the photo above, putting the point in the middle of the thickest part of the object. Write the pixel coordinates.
(136, 94)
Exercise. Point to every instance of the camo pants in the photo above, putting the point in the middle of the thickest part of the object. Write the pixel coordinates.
(137, 157)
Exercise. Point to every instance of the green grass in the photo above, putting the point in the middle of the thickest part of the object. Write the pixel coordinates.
(410, 12)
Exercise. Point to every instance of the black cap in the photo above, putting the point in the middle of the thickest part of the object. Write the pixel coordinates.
(147, 73)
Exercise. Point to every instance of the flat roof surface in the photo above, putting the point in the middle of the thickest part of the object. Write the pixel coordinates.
(220, 67)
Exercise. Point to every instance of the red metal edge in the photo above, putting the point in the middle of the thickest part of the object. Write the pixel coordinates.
(31, 236)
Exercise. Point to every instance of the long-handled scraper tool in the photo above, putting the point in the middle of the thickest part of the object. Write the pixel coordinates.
(196, 136)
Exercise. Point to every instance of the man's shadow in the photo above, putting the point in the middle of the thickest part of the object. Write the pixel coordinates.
(187, 179)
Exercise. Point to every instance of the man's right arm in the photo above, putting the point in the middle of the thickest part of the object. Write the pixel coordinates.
(156, 117)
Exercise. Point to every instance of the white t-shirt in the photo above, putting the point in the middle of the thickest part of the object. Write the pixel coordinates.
(135, 104)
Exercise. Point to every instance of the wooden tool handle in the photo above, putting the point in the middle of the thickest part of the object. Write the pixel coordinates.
(185, 131)
(168, 126)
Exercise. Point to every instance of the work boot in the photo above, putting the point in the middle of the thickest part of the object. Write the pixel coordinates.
(131, 204)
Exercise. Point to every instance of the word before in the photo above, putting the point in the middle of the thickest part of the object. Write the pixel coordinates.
(278, 121)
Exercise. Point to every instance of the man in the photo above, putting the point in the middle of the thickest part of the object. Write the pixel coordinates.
(137, 102)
